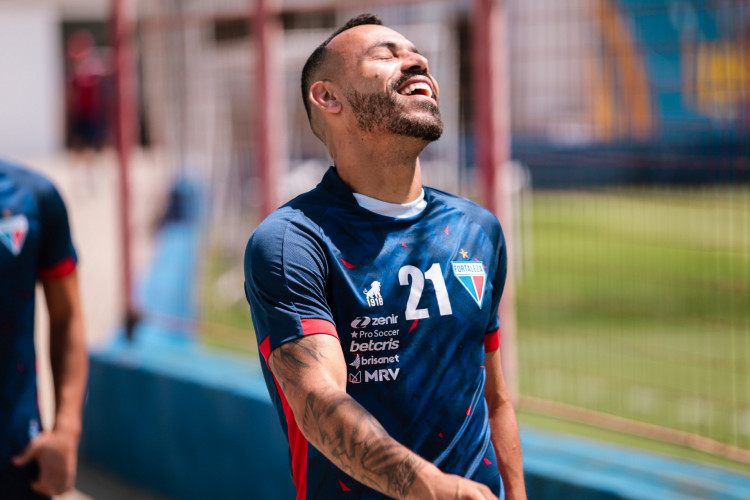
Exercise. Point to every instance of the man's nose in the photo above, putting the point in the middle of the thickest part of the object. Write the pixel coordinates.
(415, 62)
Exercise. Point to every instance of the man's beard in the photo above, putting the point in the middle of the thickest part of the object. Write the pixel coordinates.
(381, 112)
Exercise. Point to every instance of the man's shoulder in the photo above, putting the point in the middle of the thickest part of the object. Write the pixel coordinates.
(468, 208)
(288, 238)
(25, 178)
(304, 210)
(299, 219)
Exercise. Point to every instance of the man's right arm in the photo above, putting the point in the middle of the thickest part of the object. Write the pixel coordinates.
(311, 372)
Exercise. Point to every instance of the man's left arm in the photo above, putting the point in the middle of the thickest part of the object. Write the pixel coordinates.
(504, 426)
(56, 451)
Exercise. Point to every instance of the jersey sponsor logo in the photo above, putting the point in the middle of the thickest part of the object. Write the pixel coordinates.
(372, 360)
(374, 345)
(13, 231)
(364, 321)
(374, 334)
(379, 375)
(373, 295)
(473, 277)
(360, 322)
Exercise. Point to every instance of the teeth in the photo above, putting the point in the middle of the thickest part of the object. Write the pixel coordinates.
(409, 89)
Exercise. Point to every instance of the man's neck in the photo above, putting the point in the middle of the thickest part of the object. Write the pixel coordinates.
(384, 168)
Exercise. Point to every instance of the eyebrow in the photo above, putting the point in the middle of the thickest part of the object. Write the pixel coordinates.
(393, 46)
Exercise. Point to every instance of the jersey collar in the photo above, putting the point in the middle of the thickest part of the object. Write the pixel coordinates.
(333, 184)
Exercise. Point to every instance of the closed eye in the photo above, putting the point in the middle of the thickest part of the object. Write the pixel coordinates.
(382, 55)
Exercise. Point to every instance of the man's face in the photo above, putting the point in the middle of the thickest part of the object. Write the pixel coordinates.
(388, 85)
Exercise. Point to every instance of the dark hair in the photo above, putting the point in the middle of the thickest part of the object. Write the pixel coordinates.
(318, 56)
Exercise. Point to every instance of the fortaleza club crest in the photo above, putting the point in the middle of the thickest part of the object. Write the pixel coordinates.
(13, 231)
(472, 276)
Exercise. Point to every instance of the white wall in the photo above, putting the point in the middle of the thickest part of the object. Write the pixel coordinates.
(31, 81)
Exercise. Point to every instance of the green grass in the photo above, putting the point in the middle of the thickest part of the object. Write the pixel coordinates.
(637, 303)
(225, 314)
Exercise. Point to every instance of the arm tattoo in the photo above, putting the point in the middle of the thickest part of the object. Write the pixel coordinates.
(364, 449)
(341, 428)
(291, 357)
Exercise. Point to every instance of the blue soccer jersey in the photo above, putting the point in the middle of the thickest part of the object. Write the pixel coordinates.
(414, 305)
(35, 244)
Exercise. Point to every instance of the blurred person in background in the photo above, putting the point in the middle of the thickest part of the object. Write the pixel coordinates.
(375, 300)
(35, 245)
(86, 90)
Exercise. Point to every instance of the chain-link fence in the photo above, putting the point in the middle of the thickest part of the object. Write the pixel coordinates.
(630, 228)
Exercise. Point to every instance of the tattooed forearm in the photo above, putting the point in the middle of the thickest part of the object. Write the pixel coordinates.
(357, 443)
(312, 374)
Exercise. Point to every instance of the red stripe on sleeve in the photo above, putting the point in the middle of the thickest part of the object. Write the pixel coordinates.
(297, 440)
(492, 341)
(297, 446)
(265, 349)
(314, 326)
(58, 271)
(309, 327)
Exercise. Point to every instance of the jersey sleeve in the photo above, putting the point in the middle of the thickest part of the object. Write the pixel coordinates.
(492, 334)
(57, 256)
(285, 283)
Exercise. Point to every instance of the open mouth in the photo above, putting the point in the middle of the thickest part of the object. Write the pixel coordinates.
(419, 87)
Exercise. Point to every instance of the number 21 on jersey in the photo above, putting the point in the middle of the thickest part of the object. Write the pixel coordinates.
(412, 274)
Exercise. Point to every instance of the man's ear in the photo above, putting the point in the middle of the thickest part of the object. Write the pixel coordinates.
(323, 95)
